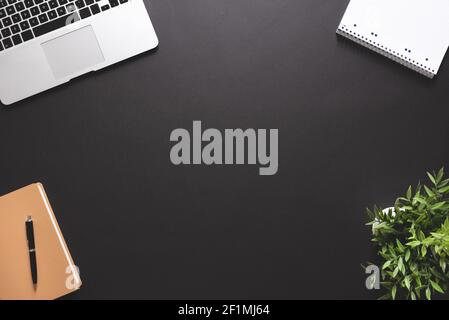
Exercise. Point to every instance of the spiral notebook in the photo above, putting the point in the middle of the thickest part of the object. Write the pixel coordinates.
(414, 33)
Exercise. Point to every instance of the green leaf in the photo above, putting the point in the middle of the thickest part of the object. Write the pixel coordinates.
(407, 282)
(421, 235)
(386, 264)
(418, 282)
(423, 251)
(431, 178)
(409, 193)
(401, 265)
(443, 264)
(393, 292)
(400, 246)
(429, 192)
(428, 294)
(436, 286)
(446, 224)
(418, 199)
(413, 244)
(407, 255)
(443, 183)
(438, 205)
(444, 189)
(438, 236)
(440, 175)
(395, 272)
(418, 293)
(413, 295)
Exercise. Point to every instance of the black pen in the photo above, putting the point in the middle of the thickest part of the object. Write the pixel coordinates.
(32, 250)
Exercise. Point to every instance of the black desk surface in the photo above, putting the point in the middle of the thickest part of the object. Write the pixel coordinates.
(355, 130)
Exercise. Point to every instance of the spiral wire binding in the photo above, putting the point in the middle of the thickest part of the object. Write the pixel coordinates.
(387, 52)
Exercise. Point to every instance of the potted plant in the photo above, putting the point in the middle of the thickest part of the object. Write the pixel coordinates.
(412, 241)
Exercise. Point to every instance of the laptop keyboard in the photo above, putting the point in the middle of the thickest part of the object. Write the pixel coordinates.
(24, 20)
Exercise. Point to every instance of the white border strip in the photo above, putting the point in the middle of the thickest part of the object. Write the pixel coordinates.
(61, 240)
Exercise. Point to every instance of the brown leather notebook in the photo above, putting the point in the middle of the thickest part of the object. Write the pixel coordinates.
(57, 274)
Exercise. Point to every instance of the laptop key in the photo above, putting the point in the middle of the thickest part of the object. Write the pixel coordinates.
(55, 24)
(105, 7)
(43, 18)
(25, 14)
(61, 11)
(52, 14)
(44, 7)
(35, 11)
(85, 13)
(15, 29)
(1, 47)
(17, 39)
(24, 25)
(2, 13)
(95, 9)
(16, 18)
(27, 35)
(34, 22)
(3, 3)
(6, 33)
(7, 22)
(10, 10)
(7, 43)
(19, 6)
(113, 3)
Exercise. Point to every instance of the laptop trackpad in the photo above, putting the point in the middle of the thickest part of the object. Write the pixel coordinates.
(73, 52)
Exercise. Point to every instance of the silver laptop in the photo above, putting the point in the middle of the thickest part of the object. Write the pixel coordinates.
(44, 43)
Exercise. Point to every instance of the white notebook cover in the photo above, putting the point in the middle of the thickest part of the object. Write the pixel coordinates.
(414, 33)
